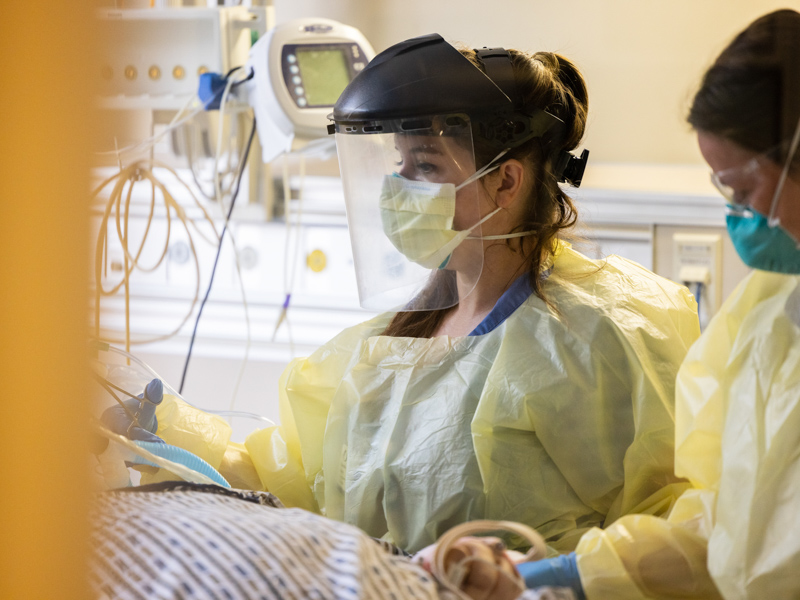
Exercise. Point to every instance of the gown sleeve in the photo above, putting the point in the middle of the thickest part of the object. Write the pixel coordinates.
(647, 556)
(288, 457)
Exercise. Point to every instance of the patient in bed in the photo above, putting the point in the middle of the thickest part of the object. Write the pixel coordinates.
(182, 540)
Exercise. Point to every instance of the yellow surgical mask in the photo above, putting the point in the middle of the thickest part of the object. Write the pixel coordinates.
(418, 217)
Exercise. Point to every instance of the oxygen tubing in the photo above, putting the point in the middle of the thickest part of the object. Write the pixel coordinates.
(180, 456)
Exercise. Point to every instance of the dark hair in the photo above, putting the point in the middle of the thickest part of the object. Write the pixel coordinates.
(751, 94)
(545, 81)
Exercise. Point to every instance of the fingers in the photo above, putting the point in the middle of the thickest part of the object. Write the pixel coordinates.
(489, 573)
(424, 557)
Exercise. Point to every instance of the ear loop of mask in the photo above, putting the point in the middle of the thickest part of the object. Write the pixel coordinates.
(773, 220)
(454, 577)
(485, 170)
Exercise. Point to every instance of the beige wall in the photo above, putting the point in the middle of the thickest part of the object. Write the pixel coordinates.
(641, 58)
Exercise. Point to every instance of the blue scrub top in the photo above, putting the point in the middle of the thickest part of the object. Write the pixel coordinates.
(510, 301)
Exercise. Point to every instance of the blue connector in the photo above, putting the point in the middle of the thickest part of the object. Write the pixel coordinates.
(210, 90)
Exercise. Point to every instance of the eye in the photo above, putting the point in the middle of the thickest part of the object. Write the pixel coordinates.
(425, 168)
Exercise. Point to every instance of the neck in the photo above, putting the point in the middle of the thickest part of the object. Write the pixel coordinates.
(501, 267)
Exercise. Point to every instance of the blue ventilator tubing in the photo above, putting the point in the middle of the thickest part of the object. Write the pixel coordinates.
(180, 456)
(561, 571)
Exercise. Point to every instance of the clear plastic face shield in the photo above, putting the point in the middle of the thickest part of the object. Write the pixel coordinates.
(413, 204)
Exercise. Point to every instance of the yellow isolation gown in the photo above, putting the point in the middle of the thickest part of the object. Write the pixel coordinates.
(561, 419)
(737, 532)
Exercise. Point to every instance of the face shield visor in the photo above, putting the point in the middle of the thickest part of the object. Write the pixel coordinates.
(404, 129)
(413, 203)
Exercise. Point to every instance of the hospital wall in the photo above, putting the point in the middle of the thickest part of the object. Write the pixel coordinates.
(642, 59)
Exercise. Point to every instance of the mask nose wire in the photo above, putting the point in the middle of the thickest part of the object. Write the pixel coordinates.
(772, 219)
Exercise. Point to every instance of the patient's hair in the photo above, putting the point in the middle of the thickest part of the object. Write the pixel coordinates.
(545, 81)
(751, 94)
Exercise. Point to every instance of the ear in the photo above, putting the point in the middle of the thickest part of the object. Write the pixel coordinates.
(509, 183)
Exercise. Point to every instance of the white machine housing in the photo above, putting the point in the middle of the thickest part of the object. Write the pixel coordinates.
(153, 57)
(300, 69)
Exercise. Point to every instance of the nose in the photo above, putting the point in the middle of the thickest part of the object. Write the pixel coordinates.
(406, 171)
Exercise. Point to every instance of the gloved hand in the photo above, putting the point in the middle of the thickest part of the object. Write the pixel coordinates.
(480, 567)
(561, 571)
(119, 421)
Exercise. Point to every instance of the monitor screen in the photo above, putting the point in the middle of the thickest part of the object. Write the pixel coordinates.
(325, 74)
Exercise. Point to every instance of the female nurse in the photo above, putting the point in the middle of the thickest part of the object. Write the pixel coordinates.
(510, 377)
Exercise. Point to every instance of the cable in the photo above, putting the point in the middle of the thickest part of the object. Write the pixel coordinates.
(290, 258)
(223, 102)
(149, 142)
(219, 249)
(230, 84)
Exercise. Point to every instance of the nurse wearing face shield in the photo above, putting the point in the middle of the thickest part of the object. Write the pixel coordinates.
(510, 377)
(735, 534)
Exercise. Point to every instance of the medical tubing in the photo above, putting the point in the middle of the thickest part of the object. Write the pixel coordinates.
(219, 197)
(219, 249)
(107, 386)
(560, 571)
(290, 258)
(130, 175)
(223, 102)
(180, 456)
(175, 461)
(149, 142)
(167, 388)
(537, 550)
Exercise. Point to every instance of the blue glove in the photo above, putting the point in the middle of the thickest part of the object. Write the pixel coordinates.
(561, 571)
(118, 421)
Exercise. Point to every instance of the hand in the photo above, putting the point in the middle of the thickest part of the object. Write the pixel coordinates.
(118, 418)
(481, 567)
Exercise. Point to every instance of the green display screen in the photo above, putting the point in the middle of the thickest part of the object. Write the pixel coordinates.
(325, 75)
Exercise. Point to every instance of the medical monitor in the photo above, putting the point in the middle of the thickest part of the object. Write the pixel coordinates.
(300, 69)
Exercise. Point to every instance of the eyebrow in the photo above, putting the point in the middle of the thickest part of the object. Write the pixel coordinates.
(425, 150)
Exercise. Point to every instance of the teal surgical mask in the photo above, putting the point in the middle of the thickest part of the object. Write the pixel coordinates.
(760, 241)
(759, 245)
(417, 217)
